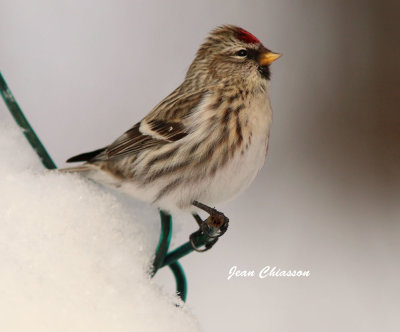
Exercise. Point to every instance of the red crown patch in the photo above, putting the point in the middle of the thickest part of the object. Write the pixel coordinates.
(246, 36)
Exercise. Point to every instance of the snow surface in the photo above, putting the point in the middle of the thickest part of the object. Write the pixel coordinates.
(73, 256)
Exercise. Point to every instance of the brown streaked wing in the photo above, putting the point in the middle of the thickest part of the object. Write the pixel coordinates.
(130, 142)
(176, 106)
(163, 121)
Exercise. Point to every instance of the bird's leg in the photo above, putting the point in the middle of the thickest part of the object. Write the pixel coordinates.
(213, 227)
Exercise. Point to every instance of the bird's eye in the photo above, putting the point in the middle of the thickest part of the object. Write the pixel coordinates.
(242, 53)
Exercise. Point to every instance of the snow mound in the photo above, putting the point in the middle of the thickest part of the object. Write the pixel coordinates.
(73, 256)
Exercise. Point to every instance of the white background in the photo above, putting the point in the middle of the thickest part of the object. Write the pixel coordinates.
(327, 199)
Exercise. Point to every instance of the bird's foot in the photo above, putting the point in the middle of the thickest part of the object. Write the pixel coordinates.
(213, 227)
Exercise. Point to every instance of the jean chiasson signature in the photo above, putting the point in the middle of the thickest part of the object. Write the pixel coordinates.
(265, 272)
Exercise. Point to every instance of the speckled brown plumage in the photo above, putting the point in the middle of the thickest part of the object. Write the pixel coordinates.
(207, 139)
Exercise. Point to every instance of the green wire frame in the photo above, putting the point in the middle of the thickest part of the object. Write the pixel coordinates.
(21, 120)
(162, 256)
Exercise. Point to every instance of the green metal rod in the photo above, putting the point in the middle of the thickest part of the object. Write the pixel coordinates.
(185, 249)
(161, 251)
(163, 243)
(29, 133)
(181, 285)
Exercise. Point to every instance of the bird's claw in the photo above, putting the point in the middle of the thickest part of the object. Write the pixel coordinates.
(213, 227)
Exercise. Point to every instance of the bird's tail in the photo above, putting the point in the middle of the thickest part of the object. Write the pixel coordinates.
(77, 169)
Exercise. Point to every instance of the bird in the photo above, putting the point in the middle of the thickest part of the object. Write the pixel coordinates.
(206, 141)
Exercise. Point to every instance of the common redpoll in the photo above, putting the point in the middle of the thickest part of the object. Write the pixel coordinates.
(207, 140)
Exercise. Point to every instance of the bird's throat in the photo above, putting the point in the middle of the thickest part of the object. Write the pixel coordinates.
(265, 72)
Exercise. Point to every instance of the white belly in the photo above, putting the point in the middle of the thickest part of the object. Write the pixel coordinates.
(240, 172)
(236, 176)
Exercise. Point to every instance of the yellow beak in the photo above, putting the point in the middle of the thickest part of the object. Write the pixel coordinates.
(268, 57)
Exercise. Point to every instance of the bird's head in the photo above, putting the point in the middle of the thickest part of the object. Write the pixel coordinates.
(231, 52)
